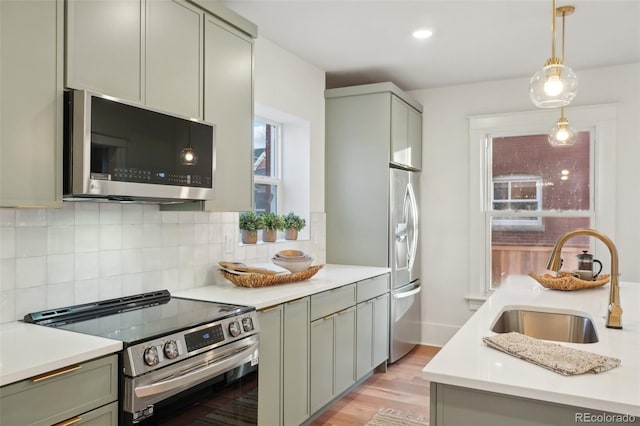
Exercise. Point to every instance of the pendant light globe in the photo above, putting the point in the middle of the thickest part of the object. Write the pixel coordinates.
(554, 86)
(562, 134)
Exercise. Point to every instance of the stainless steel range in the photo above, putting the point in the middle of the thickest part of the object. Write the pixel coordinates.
(183, 361)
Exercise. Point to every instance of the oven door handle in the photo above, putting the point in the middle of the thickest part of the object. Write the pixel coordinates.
(194, 377)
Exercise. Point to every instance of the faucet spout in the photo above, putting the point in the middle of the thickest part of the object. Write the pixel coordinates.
(614, 314)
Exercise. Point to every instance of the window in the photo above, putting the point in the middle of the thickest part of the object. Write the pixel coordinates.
(519, 172)
(266, 165)
(282, 164)
(517, 193)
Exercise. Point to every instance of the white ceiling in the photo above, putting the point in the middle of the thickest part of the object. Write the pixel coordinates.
(359, 42)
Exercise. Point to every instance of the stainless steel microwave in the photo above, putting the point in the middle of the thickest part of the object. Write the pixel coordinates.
(117, 150)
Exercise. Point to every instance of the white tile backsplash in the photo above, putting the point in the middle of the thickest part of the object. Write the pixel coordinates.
(60, 268)
(31, 271)
(31, 241)
(60, 239)
(89, 251)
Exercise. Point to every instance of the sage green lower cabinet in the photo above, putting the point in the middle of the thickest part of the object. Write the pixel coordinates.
(332, 356)
(296, 361)
(372, 342)
(283, 375)
(85, 392)
(455, 406)
(270, 366)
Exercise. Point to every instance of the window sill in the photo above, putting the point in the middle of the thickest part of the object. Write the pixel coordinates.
(278, 241)
(474, 302)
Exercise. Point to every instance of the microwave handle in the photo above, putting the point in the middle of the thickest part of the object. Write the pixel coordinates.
(212, 370)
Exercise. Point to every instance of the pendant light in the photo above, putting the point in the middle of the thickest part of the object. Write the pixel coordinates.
(188, 156)
(555, 85)
(562, 134)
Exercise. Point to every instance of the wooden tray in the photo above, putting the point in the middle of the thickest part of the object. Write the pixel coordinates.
(566, 281)
(262, 280)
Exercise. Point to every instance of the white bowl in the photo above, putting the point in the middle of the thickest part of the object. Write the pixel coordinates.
(293, 266)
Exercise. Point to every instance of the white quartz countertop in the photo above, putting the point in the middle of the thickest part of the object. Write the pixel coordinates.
(466, 361)
(27, 350)
(327, 278)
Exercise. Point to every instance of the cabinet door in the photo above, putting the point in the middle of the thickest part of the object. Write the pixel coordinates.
(322, 362)
(228, 103)
(174, 54)
(31, 103)
(406, 134)
(345, 350)
(270, 370)
(380, 330)
(364, 338)
(414, 138)
(399, 132)
(104, 47)
(296, 361)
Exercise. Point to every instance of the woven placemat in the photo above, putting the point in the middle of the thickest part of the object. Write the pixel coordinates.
(262, 280)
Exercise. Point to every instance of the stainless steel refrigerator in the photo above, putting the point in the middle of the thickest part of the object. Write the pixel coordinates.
(373, 158)
(404, 261)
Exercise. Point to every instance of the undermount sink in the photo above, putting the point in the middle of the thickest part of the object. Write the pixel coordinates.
(556, 326)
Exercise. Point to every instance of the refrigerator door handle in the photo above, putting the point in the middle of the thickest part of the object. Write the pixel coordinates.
(401, 232)
(410, 199)
(408, 293)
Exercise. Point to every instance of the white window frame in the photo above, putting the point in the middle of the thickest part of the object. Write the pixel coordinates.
(275, 180)
(599, 119)
(519, 223)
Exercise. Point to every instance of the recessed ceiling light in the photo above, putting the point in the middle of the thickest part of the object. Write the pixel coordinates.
(422, 34)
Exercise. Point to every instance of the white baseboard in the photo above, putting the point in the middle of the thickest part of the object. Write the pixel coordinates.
(437, 334)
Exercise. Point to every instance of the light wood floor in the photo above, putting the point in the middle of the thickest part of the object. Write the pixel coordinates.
(401, 388)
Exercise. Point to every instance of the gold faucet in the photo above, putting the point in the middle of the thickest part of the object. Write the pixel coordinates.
(614, 314)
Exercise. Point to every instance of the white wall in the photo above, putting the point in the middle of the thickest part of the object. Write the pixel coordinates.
(445, 254)
(90, 251)
(289, 84)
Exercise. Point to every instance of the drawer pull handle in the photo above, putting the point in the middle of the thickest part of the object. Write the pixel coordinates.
(293, 302)
(55, 373)
(273, 308)
(69, 422)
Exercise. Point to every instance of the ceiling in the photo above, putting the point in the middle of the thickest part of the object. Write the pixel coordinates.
(359, 42)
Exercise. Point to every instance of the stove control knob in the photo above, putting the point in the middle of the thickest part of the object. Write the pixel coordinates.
(234, 329)
(171, 349)
(247, 324)
(151, 357)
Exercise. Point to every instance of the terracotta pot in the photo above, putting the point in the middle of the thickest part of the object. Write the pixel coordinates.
(269, 235)
(249, 237)
(290, 234)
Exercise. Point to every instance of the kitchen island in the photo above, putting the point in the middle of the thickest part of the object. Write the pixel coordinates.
(468, 378)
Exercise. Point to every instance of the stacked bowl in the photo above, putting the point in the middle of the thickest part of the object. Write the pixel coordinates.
(292, 260)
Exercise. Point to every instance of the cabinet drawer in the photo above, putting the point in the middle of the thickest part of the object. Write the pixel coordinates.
(45, 400)
(373, 287)
(331, 301)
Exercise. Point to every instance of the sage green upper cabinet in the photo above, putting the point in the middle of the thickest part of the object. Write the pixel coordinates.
(174, 57)
(104, 45)
(406, 134)
(228, 103)
(31, 69)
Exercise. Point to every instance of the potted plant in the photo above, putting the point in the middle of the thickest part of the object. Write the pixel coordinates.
(292, 224)
(249, 225)
(270, 223)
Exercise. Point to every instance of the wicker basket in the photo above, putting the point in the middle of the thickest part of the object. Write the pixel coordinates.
(262, 280)
(566, 281)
